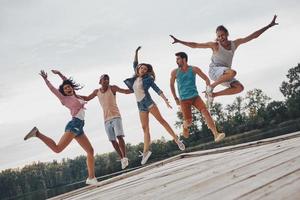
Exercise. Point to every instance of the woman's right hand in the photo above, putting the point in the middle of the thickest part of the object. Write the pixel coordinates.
(43, 74)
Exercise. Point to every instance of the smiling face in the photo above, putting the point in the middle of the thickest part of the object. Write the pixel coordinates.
(68, 90)
(104, 81)
(142, 70)
(222, 36)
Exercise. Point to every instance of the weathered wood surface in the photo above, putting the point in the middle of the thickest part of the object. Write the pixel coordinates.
(267, 169)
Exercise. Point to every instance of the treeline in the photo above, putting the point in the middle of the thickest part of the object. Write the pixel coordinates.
(255, 110)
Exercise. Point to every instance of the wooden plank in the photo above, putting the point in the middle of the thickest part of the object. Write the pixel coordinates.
(212, 181)
(282, 188)
(261, 178)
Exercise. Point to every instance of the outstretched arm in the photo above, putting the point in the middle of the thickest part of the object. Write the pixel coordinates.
(172, 86)
(198, 71)
(210, 45)
(55, 91)
(256, 34)
(59, 74)
(115, 89)
(89, 97)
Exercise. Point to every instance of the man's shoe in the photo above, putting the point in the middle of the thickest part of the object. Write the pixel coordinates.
(124, 162)
(220, 137)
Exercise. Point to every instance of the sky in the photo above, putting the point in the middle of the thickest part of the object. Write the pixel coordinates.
(86, 38)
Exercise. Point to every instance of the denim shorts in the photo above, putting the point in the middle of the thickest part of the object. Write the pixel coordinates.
(75, 126)
(216, 71)
(145, 104)
(114, 128)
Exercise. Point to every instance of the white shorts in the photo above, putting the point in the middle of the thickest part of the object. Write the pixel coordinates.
(215, 73)
(114, 128)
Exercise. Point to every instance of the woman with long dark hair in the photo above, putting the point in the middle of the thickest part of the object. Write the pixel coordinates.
(74, 129)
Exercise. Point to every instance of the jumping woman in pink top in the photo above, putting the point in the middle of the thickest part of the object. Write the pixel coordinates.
(74, 129)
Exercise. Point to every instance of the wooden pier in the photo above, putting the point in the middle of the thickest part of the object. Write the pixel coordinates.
(265, 169)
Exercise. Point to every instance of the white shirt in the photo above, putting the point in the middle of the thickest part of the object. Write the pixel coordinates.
(138, 89)
(81, 113)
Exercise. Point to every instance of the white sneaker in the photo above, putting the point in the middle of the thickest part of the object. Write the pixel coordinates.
(91, 181)
(32, 133)
(180, 144)
(145, 156)
(220, 137)
(124, 162)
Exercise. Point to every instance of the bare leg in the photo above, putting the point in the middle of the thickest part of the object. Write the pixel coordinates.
(62, 144)
(228, 75)
(90, 160)
(236, 87)
(117, 148)
(186, 125)
(122, 146)
(144, 117)
(199, 104)
(155, 112)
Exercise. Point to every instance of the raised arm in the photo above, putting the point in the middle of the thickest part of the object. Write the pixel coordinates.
(172, 86)
(59, 74)
(256, 34)
(115, 89)
(55, 91)
(136, 59)
(211, 45)
(89, 97)
(198, 71)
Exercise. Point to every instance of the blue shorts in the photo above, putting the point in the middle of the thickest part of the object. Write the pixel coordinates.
(114, 128)
(145, 104)
(75, 126)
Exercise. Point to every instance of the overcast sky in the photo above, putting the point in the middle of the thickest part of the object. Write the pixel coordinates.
(86, 38)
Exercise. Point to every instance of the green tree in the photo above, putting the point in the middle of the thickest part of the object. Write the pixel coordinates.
(291, 91)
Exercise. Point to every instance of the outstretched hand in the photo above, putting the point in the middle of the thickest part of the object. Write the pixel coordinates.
(55, 71)
(43, 74)
(273, 22)
(139, 47)
(175, 39)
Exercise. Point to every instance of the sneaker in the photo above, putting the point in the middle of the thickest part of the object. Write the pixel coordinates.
(32, 133)
(124, 162)
(91, 181)
(220, 137)
(180, 144)
(145, 156)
